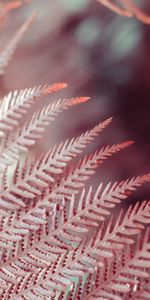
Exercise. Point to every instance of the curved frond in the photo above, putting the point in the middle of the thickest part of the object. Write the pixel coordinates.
(62, 153)
(68, 227)
(54, 243)
(40, 176)
(101, 255)
(132, 277)
(14, 105)
(7, 53)
(78, 174)
(93, 258)
(33, 129)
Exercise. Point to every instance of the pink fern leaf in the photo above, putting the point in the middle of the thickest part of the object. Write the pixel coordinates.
(83, 170)
(132, 276)
(54, 243)
(89, 259)
(16, 104)
(56, 246)
(33, 129)
(13, 198)
(64, 152)
(37, 215)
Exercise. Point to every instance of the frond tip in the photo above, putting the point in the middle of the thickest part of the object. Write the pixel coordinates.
(14, 105)
(78, 100)
(34, 128)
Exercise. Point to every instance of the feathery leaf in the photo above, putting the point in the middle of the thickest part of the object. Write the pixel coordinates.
(54, 241)
(16, 104)
(33, 129)
(100, 253)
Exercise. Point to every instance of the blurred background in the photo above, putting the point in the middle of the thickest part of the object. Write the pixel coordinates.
(99, 54)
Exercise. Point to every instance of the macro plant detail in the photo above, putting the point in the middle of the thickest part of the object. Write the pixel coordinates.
(60, 238)
(126, 8)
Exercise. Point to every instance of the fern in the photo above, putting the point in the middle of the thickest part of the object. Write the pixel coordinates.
(7, 53)
(127, 8)
(60, 239)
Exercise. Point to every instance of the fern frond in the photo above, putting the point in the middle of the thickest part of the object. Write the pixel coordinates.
(100, 254)
(64, 229)
(57, 158)
(77, 175)
(30, 191)
(103, 252)
(55, 244)
(16, 104)
(90, 209)
(33, 129)
(133, 275)
(128, 9)
(7, 53)
(62, 153)
(40, 177)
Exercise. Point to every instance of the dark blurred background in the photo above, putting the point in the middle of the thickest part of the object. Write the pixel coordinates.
(99, 54)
